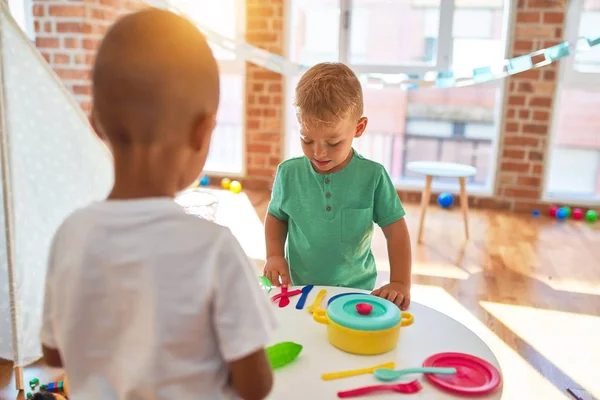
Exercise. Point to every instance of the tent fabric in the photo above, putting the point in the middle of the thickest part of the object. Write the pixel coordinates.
(55, 164)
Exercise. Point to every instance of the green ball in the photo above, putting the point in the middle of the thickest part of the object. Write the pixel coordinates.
(569, 211)
(591, 216)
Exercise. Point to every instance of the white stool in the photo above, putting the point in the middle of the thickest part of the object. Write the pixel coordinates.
(433, 169)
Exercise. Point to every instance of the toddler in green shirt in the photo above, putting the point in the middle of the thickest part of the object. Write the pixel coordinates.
(319, 223)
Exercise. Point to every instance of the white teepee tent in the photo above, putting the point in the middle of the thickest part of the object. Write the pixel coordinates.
(52, 164)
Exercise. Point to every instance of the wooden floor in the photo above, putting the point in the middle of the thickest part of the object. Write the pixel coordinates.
(530, 288)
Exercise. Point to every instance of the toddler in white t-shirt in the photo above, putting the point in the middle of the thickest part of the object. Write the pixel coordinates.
(142, 300)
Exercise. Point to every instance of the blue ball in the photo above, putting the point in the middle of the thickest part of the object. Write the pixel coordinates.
(536, 213)
(205, 180)
(562, 213)
(445, 200)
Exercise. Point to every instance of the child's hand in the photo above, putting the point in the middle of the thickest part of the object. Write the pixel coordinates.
(275, 268)
(396, 292)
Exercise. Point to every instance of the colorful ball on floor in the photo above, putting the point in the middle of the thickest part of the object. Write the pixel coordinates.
(535, 213)
(591, 216)
(578, 213)
(235, 187)
(562, 213)
(553, 211)
(225, 183)
(205, 180)
(445, 200)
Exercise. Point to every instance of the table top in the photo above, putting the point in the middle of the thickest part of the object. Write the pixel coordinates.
(442, 169)
(432, 332)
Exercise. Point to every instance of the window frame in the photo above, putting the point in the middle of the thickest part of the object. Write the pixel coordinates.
(568, 74)
(27, 9)
(443, 55)
(568, 78)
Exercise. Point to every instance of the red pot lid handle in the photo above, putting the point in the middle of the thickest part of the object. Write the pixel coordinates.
(364, 308)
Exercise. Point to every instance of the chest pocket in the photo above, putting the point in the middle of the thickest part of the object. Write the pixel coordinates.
(357, 223)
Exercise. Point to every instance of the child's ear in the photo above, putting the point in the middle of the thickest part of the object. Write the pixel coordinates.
(360, 127)
(203, 131)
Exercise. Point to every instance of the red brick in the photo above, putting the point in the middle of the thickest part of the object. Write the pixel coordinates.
(36, 26)
(524, 45)
(261, 37)
(46, 56)
(554, 17)
(252, 124)
(537, 169)
(526, 87)
(536, 129)
(38, 10)
(510, 113)
(540, 102)
(513, 166)
(66, 11)
(548, 4)
(60, 58)
(256, 24)
(73, 27)
(73, 74)
(522, 193)
(529, 74)
(47, 43)
(516, 100)
(48, 27)
(258, 87)
(521, 141)
(260, 11)
(549, 75)
(90, 44)
(528, 16)
(71, 43)
(82, 89)
(533, 181)
(541, 115)
(524, 114)
(264, 100)
(512, 127)
(513, 154)
(536, 156)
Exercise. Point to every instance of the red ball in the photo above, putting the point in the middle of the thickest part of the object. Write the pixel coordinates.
(578, 213)
(553, 211)
(364, 308)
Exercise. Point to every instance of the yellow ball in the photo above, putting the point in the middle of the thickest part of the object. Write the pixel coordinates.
(235, 187)
(225, 183)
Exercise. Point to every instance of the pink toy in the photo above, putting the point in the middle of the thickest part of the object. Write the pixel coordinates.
(578, 213)
(405, 388)
(553, 211)
(364, 308)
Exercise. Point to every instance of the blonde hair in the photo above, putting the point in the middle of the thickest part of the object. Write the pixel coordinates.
(328, 93)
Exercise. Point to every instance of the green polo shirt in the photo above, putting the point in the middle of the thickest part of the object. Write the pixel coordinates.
(330, 220)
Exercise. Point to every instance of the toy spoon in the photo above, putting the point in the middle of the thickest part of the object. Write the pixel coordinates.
(345, 374)
(406, 388)
(385, 374)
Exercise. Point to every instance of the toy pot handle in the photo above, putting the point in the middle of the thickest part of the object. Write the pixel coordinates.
(321, 317)
(407, 319)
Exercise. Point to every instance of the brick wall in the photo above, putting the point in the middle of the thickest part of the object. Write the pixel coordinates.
(527, 111)
(264, 94)
(68, 33)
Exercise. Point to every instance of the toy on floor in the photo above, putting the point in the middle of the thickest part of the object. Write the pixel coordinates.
(346, 374)
(562, 213)
(535, 213)
(235, 187)
(205, 181)
(591, 216)
(577, 214)
(553, 210)
(445, 200)
(283, 353)
(225, 183)
(364, 325)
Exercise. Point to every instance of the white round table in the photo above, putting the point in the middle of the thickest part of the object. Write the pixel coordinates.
(433, 169)
(431, 333)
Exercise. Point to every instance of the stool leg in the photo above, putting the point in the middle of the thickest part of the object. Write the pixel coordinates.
(425, 196)
(464, 204)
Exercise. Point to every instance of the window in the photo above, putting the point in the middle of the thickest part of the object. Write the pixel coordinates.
(21, 11)
(389, 38)
(226, 17)
(573, 168)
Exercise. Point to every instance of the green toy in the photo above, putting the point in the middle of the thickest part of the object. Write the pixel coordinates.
(591, 216)
(282, 354)
(265, 284)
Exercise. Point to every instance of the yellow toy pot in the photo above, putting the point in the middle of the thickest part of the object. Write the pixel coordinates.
(363, 324)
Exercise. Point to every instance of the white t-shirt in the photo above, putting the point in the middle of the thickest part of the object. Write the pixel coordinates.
(146, 302)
